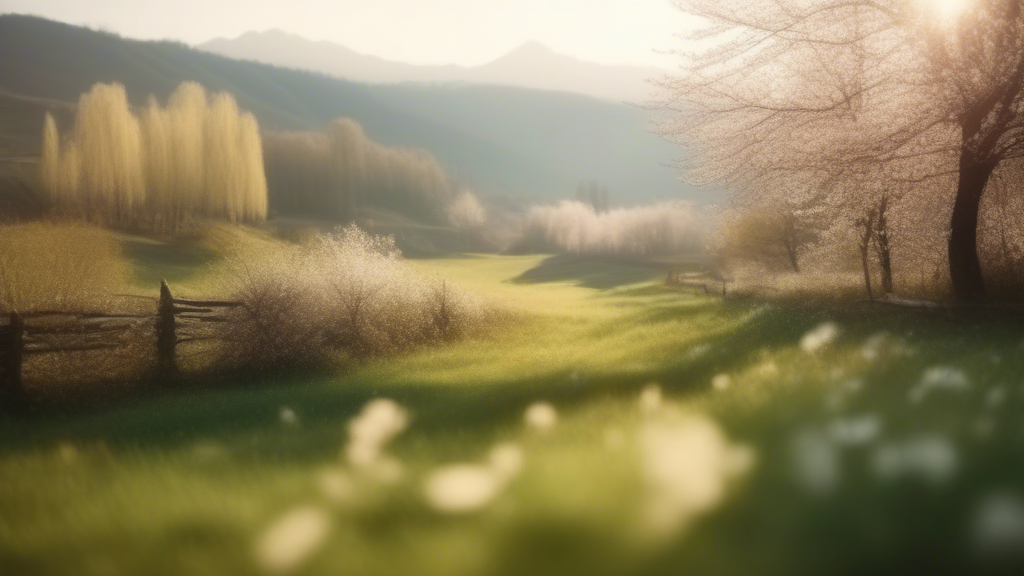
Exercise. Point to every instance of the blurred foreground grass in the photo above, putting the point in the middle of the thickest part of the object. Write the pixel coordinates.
(881, 439)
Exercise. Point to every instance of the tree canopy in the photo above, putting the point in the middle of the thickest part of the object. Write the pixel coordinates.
(792, 96)
(156, 168)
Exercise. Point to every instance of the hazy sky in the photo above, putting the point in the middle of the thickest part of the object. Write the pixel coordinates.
(466, 32)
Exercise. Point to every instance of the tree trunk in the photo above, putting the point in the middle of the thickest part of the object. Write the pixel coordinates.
(865, 245)
(867, 272)
(790, 239)
(792, 259)
(1006, 266)
(166, 339)
(882, 245)
(964, 266)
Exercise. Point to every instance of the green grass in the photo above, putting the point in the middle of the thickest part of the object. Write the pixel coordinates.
(185, 482)
(173, 260)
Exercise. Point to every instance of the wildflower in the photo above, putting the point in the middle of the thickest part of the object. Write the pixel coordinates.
(931, 458)
(336, 485)
(816, 462)
(872, 348)
(291, 539)
(882, 344)
(855, 431)
(698, 351)
(506, 459)
(650, 398)
(288, 416)
(939, 378)
(768, 368)
(934, 456)
(819, 337)
(461, 488)
(541, 416)
(386, 469)
(945, 377)
(687, 463)
(379, 422)
(998, 525)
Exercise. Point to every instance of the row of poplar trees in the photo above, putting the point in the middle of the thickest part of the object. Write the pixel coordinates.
(196, 156)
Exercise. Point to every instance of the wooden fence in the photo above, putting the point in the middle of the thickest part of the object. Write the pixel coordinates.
(709, 284)
(47, 332)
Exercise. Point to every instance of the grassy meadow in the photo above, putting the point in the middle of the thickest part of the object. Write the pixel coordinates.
(857, 438)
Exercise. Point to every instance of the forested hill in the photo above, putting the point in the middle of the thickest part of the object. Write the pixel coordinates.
(520, 142)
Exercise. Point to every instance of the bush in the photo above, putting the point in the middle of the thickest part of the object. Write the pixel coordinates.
(773, 237)
(50, 266)
(466, 212)
(575, 227)
(346, 293)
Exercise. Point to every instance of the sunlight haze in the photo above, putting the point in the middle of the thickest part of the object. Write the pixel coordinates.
(511, 287)
(463, 32)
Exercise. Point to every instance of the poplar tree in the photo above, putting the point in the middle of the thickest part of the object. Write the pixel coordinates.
(50, 161)
(192, 158)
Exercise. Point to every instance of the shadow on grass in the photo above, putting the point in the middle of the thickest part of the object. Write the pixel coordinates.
(244, 411)
(588, 273)
(247, 408)
(174, 260)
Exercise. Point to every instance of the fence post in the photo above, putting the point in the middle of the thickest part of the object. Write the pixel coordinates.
(167, 365)
(13, 387)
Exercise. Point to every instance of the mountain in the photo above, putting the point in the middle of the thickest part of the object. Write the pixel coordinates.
(531, 66)
(515, 142)
(291, 51)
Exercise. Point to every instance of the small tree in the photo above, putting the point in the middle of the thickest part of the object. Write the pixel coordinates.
(768, 235)
(883, 246)
(867, 225)
(466, 212)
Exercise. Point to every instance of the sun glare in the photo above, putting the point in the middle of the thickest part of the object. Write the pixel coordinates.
(946, 11)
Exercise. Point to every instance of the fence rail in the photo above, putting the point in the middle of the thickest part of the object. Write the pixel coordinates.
(709, 284)
(207, 303)
(56, 331)
(94, 316)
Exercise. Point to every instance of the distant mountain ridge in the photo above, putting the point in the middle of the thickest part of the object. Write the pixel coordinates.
(532, 65)
(527, 145)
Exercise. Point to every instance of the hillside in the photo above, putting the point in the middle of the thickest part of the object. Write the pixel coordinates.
(508, 141)
(532, 65)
